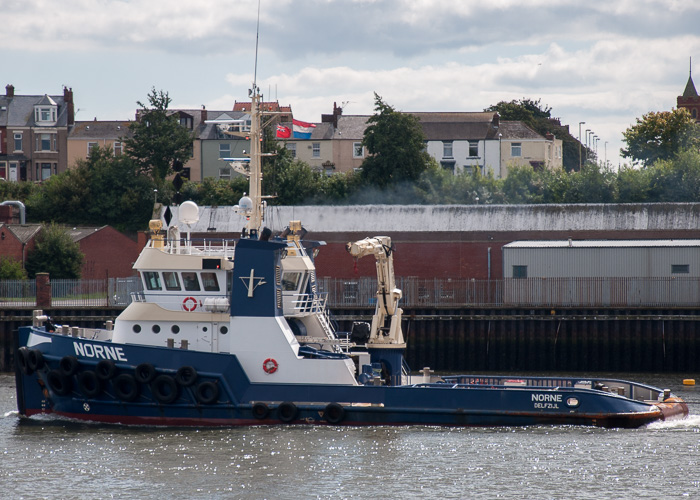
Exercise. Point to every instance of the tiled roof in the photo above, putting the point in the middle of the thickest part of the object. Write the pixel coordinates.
(351, 127)
(100, 130)
(517, 130)
(458, 126)
(24, 232)
(690, 90)
(18, 111)
(78, 233)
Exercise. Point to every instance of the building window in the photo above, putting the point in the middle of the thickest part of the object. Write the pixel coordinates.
(448, 165)
(90, 147)
(18, 142)
(292, 148)
(224, 150)
(3, 170)
(473, 149)
(694, 113)
(447, 149)
(516, 149)
(45, 171)
(117, 148)
(186, 121)
(358, 150)
(47, 114)
(44, 142)
(316, 150)
(225, 173)
(520, 272)
(680, 269)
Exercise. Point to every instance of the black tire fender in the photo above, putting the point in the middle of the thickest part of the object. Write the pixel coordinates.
(22, 360)
(106, 369)
(260, 411)
(334, 413)
(69, 365)
(125, 387)
(145, 373)
(186, 376)
(35, 359)
(165, 390)
(59, 383)
(207, 392)
(89, 384)
(287, 411)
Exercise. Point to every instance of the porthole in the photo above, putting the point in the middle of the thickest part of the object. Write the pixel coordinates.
(136, 328)
(572, 402)
(205, 329)
(175, 329)
(224, 330)
(156, 329)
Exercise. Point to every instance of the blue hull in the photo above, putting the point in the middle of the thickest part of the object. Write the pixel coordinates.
(220, 394)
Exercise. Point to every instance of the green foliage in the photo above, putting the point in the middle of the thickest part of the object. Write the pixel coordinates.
(660, 135)
(396, 146)
(539, 118)
(157, 138)
(11, 269)
(104, 190)
(19, 191)
(55, 253)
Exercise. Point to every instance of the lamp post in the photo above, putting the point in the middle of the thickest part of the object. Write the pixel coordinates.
(587, 132)
(579, 144)
(606, 154)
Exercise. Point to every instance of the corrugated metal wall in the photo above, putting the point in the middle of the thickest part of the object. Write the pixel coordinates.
(602, 262)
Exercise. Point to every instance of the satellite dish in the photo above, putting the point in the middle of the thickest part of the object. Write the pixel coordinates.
(245, 204)
(188, 213)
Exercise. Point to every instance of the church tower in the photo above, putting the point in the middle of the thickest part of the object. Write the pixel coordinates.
(690, 100)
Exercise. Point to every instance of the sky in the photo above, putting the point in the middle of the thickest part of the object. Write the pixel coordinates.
(602, 62)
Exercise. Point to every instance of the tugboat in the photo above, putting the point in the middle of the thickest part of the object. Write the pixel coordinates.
(237, 333)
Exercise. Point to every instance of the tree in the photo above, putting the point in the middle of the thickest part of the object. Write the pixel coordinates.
(396, 146)
(11, 269)
(55, 253)
(660, 135)
(157, 138)
(539, 118)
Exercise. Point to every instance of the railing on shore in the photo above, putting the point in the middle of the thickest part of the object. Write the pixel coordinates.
(417, 292)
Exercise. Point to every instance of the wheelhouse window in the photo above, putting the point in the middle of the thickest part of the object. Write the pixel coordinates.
(151, 280)
(172, 282)
(520, 272)
(191, 282)
(290, 281)
(210, 283)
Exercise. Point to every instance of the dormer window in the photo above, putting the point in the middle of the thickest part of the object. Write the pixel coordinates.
(46, 111)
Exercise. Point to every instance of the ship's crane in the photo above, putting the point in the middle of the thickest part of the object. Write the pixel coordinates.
(386, 330)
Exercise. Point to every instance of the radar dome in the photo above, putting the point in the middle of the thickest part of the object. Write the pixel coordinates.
(245, 204)
(189, 213)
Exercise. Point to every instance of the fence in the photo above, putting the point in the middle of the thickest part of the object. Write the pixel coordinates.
(417, 292)
(530, 292)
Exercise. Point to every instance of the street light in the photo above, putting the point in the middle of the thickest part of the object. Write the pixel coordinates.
(579, 144)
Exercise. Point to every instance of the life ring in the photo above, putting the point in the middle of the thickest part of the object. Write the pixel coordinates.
(145, 373)
(105, 369)
(287, 411)
(68, 365)
(89, 384)
(125, 387)
(58, 382)
(165, 389)
(186, 376)
(260, 410)
(334, 413)
(270, 366)
(207, 392)
(186, 302)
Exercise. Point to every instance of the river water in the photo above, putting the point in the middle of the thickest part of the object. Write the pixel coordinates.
(50, 459)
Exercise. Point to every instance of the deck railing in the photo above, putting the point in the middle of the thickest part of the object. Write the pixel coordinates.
(417, 292)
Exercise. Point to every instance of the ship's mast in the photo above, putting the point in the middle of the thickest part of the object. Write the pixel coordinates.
(256, 217)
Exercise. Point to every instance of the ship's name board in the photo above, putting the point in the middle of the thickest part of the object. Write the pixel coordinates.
(99, 351)
(543, 401)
